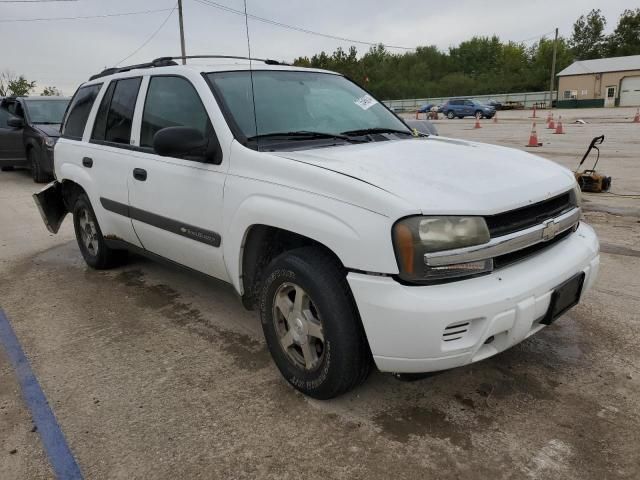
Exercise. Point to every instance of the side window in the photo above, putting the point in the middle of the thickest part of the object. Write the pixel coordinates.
(4, 116)
(120, 114)
(172, 102)
(100, 125)
(79, 110)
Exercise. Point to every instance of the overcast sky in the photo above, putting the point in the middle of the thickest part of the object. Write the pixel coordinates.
(65, 53)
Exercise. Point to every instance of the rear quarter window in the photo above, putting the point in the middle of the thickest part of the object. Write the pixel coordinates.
(78, 112)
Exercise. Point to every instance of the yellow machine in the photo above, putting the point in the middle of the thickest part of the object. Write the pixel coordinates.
(591, 180)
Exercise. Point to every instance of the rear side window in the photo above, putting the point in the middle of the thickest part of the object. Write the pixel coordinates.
(79, 110)
(172, 102)
(100, 125)
(119, 115)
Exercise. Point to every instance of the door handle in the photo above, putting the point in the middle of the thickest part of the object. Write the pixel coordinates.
(140, 174)
(87, 162)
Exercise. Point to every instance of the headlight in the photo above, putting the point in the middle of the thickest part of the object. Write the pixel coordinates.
(49, 142)
(415, 236)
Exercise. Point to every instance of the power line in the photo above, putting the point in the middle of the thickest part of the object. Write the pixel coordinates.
(293, 27)
(150, 37)
(535, 37)
(35, 1)
(11, 20)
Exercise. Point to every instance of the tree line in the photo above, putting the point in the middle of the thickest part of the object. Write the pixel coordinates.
(18, 85)
(481, 65)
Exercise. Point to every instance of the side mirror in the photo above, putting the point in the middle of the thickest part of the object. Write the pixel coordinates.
(15, 122)
(187, 142)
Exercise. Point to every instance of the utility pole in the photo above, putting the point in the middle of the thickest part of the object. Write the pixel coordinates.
(184, 60)
(553, 69)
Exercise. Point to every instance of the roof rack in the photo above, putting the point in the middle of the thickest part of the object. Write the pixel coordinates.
(169, 61)
(158, 62)
(264, 60)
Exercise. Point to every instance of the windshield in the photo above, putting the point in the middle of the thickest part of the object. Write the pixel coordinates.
(46, 111)
(302, 103)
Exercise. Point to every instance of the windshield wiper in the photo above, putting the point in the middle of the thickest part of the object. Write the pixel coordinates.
(304, 135)
(369, 131)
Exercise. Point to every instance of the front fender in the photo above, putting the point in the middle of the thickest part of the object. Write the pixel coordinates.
(361, 239)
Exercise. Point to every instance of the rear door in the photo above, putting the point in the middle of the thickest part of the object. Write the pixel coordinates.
(12, 150)
(176, 203)
(109, 156)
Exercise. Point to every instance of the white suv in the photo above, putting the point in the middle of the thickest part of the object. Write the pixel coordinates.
(355, 237)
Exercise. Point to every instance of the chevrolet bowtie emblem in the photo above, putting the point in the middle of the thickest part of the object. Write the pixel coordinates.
(550, 230)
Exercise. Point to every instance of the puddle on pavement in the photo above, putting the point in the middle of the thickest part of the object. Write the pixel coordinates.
(247, 352)
(401, 424)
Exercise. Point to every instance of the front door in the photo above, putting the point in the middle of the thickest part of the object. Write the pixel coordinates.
(12, 150)
(610, 99)
(176, 203)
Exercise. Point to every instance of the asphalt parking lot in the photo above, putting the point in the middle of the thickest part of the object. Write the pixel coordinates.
(154, 373)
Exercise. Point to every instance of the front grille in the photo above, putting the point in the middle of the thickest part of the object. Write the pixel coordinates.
(505, 260)
(525, 217)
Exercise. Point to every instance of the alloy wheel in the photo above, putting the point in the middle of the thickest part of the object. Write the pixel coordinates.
(298, 326)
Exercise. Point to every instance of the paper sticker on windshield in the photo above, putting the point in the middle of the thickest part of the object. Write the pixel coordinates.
(366, 102)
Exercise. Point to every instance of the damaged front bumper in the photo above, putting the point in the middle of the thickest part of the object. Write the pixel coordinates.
(50, 203)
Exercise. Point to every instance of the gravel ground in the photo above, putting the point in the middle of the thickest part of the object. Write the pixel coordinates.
(154, 373)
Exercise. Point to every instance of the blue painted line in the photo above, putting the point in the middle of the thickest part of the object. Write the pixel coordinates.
(62, 460)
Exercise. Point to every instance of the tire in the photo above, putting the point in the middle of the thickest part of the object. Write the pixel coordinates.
(478, 114)
(323, 351)
(451, 115)
(90, 240)
(8, 168)
(36, 169)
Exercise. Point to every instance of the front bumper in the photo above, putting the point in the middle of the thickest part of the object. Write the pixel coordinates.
(406, 325)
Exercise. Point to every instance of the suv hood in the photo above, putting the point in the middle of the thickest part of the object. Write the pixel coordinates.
(446, 176)
(49, 130)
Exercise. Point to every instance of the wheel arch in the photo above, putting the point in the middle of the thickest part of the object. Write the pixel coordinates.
(260, 245)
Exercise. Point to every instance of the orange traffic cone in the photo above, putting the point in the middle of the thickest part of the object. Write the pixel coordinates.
(559, 128)
(533, 138)
(551, 124)
(636, 119)
(549, 118)
(477, 125)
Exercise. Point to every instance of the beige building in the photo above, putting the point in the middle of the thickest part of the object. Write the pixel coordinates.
(605, 82)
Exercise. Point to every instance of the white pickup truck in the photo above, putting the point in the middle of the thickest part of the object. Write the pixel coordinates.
(356, 238)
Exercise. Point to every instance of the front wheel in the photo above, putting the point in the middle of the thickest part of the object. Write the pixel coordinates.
(451, 115)
(36, 169)
(89, 237)
(478, 114)
(311, 324)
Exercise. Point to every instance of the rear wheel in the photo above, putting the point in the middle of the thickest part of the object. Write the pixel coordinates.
(36, 169)
(90, 239)
(451, 115)
(311, 324)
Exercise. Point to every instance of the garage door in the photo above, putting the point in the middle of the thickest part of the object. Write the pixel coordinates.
(630, 92)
